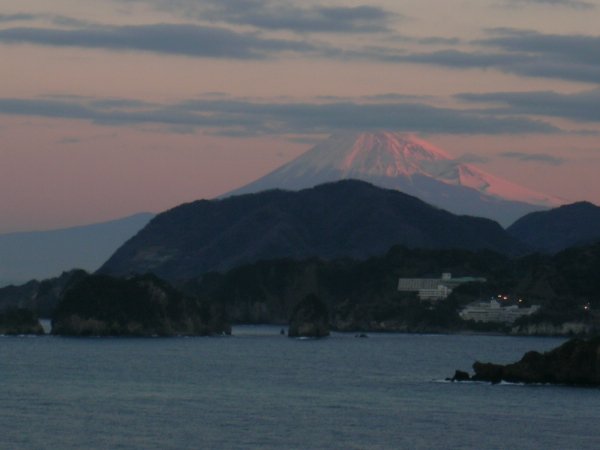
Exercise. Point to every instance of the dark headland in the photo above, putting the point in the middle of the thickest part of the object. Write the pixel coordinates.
(576, 362)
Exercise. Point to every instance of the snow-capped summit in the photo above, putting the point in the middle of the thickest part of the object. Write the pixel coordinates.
(409, 164)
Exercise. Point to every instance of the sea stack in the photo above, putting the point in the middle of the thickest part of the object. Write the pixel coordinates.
(310, 318)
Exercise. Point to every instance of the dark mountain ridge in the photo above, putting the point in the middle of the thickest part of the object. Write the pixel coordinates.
(559, 228)
(348, 218)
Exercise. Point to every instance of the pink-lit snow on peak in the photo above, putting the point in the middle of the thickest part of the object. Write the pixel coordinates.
(389, 153)
(393, 154)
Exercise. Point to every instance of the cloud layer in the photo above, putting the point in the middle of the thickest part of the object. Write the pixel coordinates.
(521, 52)
(281, 15)
(187, 40)
(525, 53)
(277, 30)
(575, 4)
(535, 157)
(230, 116)
(580, 106)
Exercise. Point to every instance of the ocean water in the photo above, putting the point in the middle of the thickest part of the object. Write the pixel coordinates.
(260, 390)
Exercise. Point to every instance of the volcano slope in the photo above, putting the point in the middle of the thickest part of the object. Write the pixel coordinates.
(411, 165)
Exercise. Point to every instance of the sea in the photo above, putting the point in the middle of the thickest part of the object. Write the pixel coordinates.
(258, 389)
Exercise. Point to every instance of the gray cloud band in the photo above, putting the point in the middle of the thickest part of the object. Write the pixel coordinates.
(581, 106)
(524, 53)
(575, 4)
(240, 117)
(187, 40)
(281, 15)
(535, 157)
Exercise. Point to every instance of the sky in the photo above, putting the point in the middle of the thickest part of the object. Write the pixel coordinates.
(115, 107)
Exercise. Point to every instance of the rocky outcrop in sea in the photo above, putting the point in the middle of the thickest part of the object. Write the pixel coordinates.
(576, 362)
(310, 318)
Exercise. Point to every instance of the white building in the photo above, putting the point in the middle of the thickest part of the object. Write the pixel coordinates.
(493, 311)
(434, 288)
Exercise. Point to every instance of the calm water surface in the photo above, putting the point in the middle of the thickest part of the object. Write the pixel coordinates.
(258, 389)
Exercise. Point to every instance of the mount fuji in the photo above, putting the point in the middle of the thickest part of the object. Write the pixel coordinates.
(409, 164)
